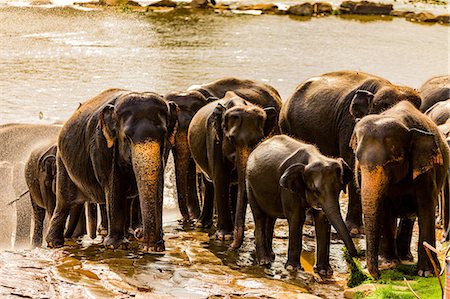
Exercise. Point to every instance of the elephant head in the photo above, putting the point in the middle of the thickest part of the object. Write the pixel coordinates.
(387, 152)
(320, 183)
(188, 104)
(239, 126)
(365, 102)
(140, 128)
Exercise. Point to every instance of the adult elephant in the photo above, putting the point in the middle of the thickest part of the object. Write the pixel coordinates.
(221, 136)
(114, 147)
(402, 162)
(434, 90)
(189, 103)
(323, 110)
(17, 141)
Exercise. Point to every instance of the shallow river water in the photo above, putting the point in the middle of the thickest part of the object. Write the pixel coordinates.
(51, 59)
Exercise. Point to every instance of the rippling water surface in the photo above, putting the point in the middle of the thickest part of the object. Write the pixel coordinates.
(53, 58)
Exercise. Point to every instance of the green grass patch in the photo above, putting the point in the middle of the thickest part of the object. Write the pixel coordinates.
(357, 277)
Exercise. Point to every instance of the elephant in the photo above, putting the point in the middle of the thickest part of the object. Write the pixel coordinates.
(221, 135)
(434, 90)
(401, 162)
(189, 102)
(40, 176)
(115, 147)
(323, 111)
(286, 177)
(17, 142)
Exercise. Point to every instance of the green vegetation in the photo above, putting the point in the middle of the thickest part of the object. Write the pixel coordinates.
(357, 277)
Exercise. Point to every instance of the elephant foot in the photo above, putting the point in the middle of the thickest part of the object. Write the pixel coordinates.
(116, 242)
(158, 247)
(262, 258)
(238, 238)
(223, 235)
(102, 231)
(406, 257)
(388, 262)
(354, 229)
(323, 271)
(203, 223)
(425, 273)
(293, 266)
(54, 242)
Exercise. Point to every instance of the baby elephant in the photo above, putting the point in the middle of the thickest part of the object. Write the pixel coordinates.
(285, 178)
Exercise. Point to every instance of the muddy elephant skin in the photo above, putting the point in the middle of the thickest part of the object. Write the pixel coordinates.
(189, 103)
(285, 178)
(434, 90)
(221, 136)
(114, 147)
(402, 161)
(323, 110)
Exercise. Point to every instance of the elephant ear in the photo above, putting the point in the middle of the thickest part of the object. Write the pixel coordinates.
(292, 178)
(217, 116)
(107, 125)
(425, 152)
(361, 103)
(172, 121)
(271, 120)
(346, 174)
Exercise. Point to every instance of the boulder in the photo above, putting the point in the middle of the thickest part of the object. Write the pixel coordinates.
(201, 3)
(322, 8)
(401, 13)
(365, 8)
(360, 291)
(164, 3)
(304, 9)
(426, 17)
(443, 19)
(263, 7)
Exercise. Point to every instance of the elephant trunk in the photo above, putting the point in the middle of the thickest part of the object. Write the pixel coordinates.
(185, 178)
(333, 213)
(373, 185)
(147, 164)
(242, 154)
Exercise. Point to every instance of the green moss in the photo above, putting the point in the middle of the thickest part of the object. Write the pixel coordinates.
(357, 277)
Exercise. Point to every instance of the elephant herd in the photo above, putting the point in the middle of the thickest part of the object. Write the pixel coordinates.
(384, 143)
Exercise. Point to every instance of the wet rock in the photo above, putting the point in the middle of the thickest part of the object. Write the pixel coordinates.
(304, 9)
(426, 17)
(401, 13)
(443, 19)
(365, 8)
(200, 3)
(262, 7)
(164, 3)
(198, 255)
(360, 291)
(322, 8)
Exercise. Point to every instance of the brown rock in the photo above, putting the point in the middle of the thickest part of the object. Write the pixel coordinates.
(365, 8)
(443, 19)
(304, 9)
(426, 17)
(199, 3)
(322, 8)
(164, 3)
(263, 7)
(401, 13)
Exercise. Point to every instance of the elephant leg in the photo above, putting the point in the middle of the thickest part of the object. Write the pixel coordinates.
(353, 219)
(446, 206)
(39, 216)
(74, 219)
(66, 193)
(262, 255)
(323, 231)
(404, 235)
(221, 198)
(92, 219)
(270, 224)
(23, 208)
(103, 227)
(296, 219)
(387, 243)
(233, 200)
(206, 217)
(426, 203)
(192, 199)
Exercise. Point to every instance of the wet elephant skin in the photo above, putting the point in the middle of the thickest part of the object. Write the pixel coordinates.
(434, 90)
(402, 163)
(115, 146)
(285, 178)
(323, 110)
(189, 102)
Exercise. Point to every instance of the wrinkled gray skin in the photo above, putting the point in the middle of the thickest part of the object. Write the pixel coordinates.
(189, 103)
(112, 148)
(40, 176)
(402, 161)
(16, 143)
(434, 90)
(440, 114)
(221, 136)
(285, 178)
(323, 110)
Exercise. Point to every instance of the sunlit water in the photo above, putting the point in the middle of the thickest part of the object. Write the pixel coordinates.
(51, 59)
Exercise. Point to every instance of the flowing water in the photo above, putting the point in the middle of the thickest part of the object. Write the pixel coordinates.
(53, 58)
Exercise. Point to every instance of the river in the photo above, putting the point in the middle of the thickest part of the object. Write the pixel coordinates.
(53, 58)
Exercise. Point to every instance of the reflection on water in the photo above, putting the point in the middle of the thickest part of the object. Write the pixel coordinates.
(52, 59)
